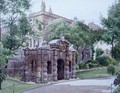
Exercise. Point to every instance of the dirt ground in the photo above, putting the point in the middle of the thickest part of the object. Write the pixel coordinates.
(70, 89)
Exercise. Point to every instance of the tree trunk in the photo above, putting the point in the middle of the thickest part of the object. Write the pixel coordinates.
(77, 55)
(83, 53)
(93, 52)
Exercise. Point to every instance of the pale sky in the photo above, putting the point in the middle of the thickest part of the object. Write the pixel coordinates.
(87, 10)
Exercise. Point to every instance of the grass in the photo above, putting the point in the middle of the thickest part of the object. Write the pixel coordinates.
(95, 73)
(7, 86)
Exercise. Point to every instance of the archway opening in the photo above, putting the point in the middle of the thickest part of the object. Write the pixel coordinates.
(70, 66)
(60, 69)
(49, 67)
(33, 66)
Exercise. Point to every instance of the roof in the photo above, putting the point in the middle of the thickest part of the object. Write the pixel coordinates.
(51, 15)
(54, 41)
(72, 49)
(58, 40)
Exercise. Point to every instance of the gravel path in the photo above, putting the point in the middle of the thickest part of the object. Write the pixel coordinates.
(78, 86)
(70, 89)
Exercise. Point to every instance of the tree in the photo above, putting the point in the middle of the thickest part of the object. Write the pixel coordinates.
(4, 53)
(99, 52)
(79, 37)
(116, 51)
(111, 69)
(2, 10)
(112, 25)
(85, 37)
(17, 23)
(55, 29)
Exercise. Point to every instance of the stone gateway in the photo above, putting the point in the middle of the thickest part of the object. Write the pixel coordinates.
(52, 62)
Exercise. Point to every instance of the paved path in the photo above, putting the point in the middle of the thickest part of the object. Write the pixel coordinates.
(86, 82)
(78, 86)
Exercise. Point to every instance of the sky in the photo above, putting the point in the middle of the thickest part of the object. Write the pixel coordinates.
(85, 10)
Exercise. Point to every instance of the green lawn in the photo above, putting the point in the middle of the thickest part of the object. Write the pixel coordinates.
(7, 86)
(95, 73)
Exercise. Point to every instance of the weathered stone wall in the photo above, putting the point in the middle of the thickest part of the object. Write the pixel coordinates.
(37, 66)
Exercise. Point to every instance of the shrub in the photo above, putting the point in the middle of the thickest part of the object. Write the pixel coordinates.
(77, 67)
(102, 60)
(82, 65)
(92, 63)
(117, 90)
(99, 52)
(111, 69)
(117, 80)
(106, 60)
(112, 61)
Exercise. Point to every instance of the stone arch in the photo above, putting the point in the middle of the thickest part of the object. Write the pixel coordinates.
(49, 67)
(60, 69)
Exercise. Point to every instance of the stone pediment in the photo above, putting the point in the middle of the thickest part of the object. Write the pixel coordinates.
(61, 44)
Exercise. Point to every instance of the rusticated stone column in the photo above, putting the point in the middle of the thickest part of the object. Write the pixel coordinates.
(66, 67)
(55, 65)
(44, 72)
(73, 66)
(44, 66)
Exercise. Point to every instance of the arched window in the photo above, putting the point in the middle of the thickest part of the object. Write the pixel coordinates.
(49, 67)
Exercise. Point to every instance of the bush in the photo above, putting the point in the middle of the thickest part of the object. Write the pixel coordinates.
(111, 69)
(99, 52)
(89, 64)
(117, 80)
(77, 67)
(112, 61)
(92, 63)
(106, 60)
(117, 90)
(82, 65)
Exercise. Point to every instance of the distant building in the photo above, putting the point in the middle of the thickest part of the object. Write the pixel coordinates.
(47, 16)
(94, 26)
(44, 17)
